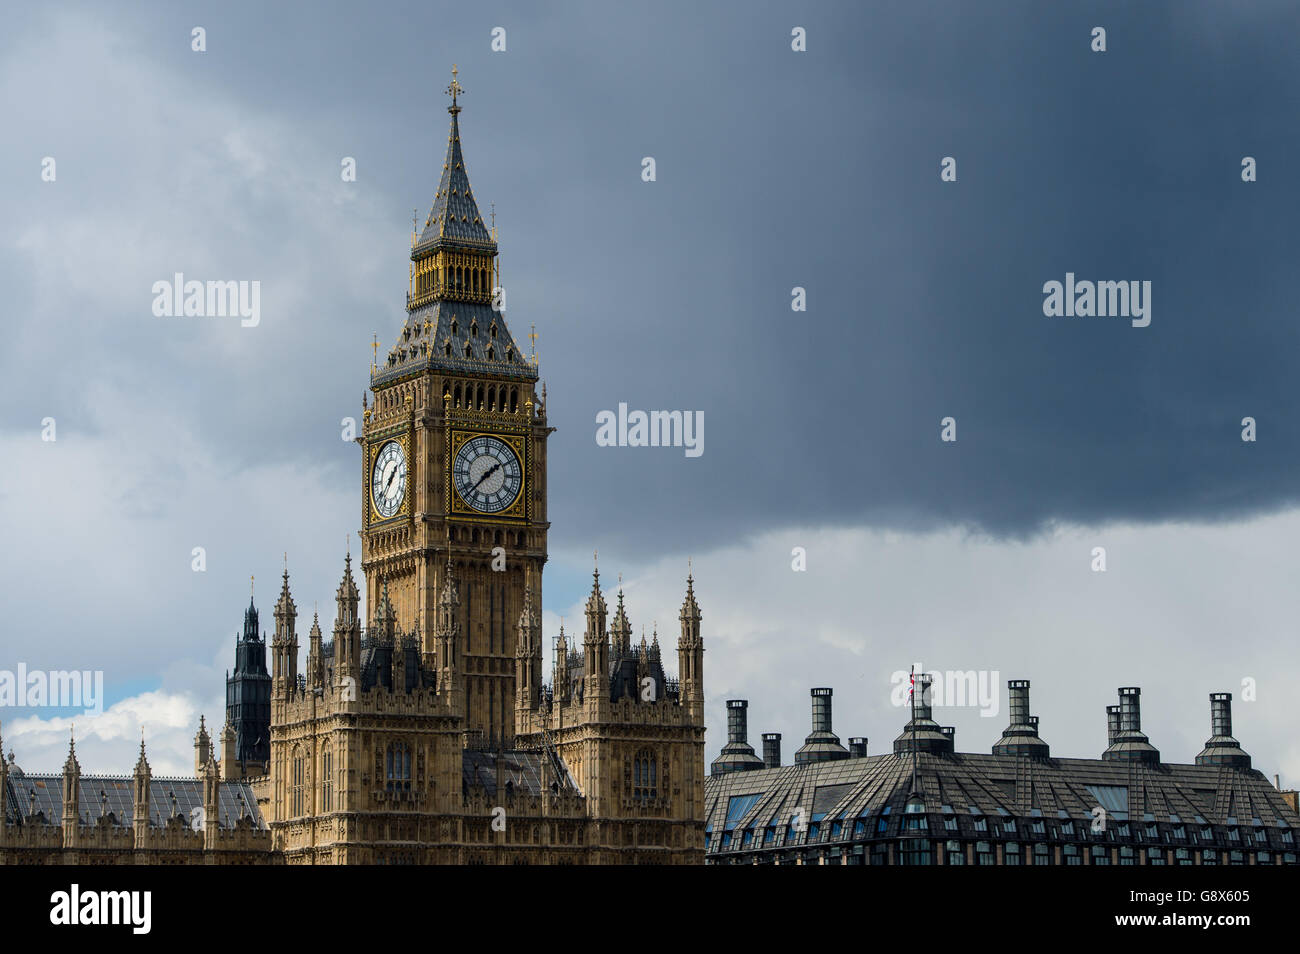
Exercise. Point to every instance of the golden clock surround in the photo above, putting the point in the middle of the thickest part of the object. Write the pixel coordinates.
(377, 443)
(456, 507)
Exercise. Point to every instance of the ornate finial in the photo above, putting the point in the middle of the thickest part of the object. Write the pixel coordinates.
(286, 564)
(414, 213)
(374, 343)
(454, 90)
(532, 335)
(250, 587)
(690, 573)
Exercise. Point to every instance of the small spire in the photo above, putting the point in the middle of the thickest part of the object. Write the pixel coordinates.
(454, 90)
(71, 764)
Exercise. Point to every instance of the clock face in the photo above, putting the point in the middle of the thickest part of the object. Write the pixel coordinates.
(487, 474)
(388, 479)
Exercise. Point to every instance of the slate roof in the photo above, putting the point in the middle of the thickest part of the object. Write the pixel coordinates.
(38, 799)
(860, 793)
(522, 770)
(454, 219)
(419, 349)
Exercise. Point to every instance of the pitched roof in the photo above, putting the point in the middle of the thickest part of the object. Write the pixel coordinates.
(454, 218)
(431, 329)
(38, 799)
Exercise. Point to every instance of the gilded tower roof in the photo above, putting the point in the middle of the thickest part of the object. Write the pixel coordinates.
(453, 321)
(454, 219)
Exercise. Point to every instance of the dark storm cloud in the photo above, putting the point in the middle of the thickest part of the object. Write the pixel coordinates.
(775, 169)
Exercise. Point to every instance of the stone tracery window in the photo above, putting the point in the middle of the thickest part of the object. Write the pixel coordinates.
(645, 771)
(297, 805)
(327, 781)
(397, 767)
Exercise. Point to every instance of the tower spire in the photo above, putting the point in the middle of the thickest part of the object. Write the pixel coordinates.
(454, 90)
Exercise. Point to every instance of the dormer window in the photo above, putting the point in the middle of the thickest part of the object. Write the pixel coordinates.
(493, 330)
(469, 352)
(455, 327)
(473, 329)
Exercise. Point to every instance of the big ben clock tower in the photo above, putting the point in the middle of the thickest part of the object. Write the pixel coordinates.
(454, 455)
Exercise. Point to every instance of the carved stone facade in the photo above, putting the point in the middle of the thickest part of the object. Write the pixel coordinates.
(80, 819)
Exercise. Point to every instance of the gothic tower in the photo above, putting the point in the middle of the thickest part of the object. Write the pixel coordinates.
(454, 455)
(248, 697)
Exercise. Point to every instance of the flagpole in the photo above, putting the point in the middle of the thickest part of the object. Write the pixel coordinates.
(913, 694)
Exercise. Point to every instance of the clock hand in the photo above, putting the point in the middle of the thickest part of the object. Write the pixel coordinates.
(491, 470)
(391, 474)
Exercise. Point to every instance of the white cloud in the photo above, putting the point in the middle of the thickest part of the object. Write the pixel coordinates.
(1181, 611)
(109, 743)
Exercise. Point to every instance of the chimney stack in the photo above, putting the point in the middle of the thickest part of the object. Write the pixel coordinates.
(1021, 736)
(737, 755)
(922, 733)
(1112, 724)
(1129, 744)
(1221, 748)
(858, 748)
(821, 745)
(771, 750)
(737, 720)
(821, 710)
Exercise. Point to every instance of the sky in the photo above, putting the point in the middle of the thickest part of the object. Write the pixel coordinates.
(775, 169)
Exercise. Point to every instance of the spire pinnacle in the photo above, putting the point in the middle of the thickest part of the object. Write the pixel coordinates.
(454, 90)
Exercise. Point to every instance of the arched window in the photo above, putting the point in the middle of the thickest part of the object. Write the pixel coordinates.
(327, 781)
(397, 765)
(297, 799)
(645, 776)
